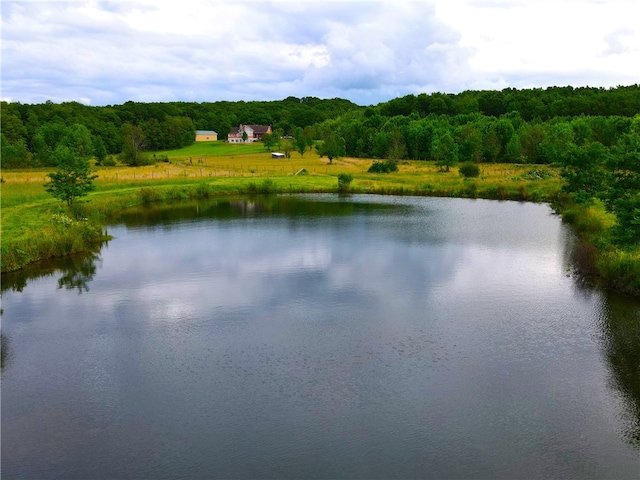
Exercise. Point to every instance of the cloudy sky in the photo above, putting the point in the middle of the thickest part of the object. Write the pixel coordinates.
(108, 52)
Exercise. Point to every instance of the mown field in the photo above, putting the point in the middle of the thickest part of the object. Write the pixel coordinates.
(34, 225)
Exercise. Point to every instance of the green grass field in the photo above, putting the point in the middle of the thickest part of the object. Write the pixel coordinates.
(217, 149)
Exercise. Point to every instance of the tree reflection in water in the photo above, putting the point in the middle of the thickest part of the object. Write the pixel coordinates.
(4, 350)
(80, 275)
(621, 325)
(76, 272)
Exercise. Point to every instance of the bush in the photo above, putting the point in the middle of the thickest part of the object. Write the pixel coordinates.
(267, 187)
(148, 195)
(203, 190)
(469, 169)
(252, 189)
(383, 167)
(344, 180)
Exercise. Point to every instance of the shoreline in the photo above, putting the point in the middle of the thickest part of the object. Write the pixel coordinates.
(53, 232)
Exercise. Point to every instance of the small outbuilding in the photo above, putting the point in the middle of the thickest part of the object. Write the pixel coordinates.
(277, 155)
(206, 136)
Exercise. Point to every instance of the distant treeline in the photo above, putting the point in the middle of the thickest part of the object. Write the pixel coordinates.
(30, 133)
(511, 125)
(487, 126)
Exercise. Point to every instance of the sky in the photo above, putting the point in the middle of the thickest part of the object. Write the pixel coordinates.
(109, 52)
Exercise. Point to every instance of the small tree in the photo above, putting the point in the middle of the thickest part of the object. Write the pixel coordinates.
(301, 141)
(278, 133)
(268, 141)
(287, 147)
(73, 178)
(133, 146)
(332, 147)
(444, 150)
(99, 150)
(397, 147)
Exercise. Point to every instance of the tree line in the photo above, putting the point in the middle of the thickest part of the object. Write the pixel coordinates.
(31, 133)
(507, 125)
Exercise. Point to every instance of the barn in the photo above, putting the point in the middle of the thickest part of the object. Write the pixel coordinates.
(206, 136)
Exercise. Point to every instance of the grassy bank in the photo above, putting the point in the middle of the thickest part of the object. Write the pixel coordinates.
(596, 257)
(36, 227)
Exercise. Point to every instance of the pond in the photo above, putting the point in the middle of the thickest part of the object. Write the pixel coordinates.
(326, 337)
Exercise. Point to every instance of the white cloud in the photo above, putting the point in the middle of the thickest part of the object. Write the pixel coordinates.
(367, 51)
(566, 41)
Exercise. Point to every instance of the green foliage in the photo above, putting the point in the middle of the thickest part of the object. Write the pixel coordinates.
(267, 187)
(469, 169)
(268, 141)
(508, 125)
(133, 147)
(149, 195)
(620, 270)
(623, 193)
(168, 133)
(72, 179)
(99, 150)
(397, 146)
(78, 140)
(14, 156)
(60, 237)
(344, 181)
(444, 150)
(287, 147)
(383, 167)
(584, 171)
(109, 162)
(332, 147)
(302, 141)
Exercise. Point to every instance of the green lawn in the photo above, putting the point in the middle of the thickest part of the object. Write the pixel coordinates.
(218, 149)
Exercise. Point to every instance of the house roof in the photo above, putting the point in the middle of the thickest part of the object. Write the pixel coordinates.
(205, 132)
(257, 129)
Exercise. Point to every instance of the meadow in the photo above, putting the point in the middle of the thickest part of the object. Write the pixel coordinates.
(35, 226)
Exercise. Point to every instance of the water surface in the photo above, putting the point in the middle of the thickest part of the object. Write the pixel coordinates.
(313, 336)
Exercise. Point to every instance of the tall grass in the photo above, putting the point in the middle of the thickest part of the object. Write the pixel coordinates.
(620, 270)
(60, 236)
(596, 257)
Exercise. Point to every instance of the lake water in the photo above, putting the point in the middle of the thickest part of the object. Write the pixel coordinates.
(325, 337)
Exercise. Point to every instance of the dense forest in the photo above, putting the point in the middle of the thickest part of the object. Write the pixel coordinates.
(507, 126)
(31, 132)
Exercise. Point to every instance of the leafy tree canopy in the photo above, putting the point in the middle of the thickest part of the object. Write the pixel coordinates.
(73, 178)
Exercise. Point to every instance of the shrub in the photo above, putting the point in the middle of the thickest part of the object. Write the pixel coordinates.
(203, 190)
(344, 180)
(268, 186)
(252, 189)
(148, 195)
(383, 167)
(469, 169)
